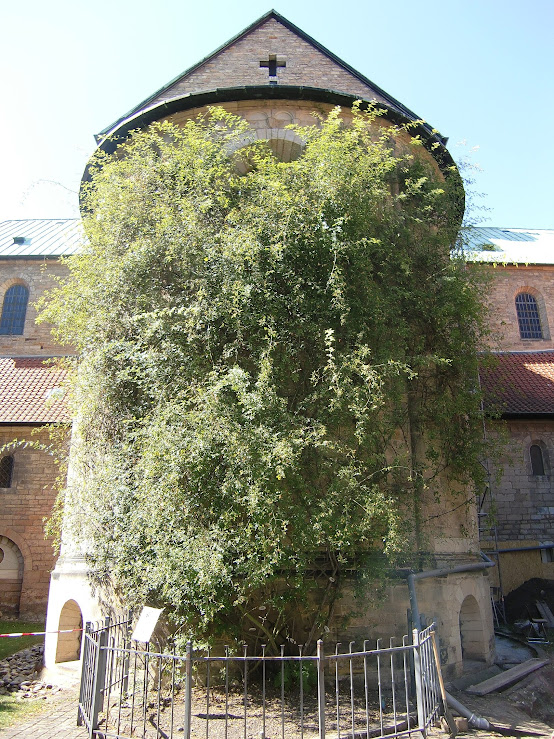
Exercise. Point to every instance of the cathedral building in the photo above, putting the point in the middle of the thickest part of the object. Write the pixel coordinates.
(31, 405)
(517, 508)
(272, 74)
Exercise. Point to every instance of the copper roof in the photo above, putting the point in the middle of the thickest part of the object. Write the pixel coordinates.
(31, 392)
(520, 383)
(39, 238)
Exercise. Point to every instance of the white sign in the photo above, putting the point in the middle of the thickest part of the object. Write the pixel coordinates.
(146, 624)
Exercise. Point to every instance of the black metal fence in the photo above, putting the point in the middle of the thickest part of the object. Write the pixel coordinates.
(130, 691)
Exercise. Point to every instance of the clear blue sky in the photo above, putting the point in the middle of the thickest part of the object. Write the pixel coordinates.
(481, 71)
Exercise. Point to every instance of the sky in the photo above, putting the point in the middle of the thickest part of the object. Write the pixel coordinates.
(480, 71)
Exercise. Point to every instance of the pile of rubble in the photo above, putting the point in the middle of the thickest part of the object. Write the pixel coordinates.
(20, 671)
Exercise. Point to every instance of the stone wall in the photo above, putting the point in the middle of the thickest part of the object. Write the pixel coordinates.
(458, 604)
(523, 504)
(23, 507)
(239, 65)
(37, 276)
(507, 282)
(269, 119)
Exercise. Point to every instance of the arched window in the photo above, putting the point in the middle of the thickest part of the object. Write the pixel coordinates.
(6, 472)
(14, 310)
(528, 316)
(537, 460)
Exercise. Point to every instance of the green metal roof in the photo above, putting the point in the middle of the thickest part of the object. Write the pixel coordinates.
(40, 238)
(510, 245)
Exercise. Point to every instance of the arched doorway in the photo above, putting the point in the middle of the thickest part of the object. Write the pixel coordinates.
(69, 645)
(471, 630)
(11, 576)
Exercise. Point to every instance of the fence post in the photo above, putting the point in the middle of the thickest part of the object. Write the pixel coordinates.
(126, 654)
(99, 678)
(85, 667)
(321, 688)
(188, 691)
(419, 683)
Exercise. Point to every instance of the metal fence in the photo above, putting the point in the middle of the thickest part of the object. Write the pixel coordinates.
(130, 691)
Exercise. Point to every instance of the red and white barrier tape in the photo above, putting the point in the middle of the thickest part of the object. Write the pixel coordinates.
(40, 633)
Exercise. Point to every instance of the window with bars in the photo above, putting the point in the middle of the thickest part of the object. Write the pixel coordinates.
(528, 316)
(6, 471)
(14, 310)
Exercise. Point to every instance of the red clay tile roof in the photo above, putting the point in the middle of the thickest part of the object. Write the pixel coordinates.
(520, 383)
(29, 391)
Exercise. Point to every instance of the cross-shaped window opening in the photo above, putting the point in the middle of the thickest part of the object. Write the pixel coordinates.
(272, 63)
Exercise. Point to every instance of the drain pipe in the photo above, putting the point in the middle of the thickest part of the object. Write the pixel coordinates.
(413, 576)
(476, 722)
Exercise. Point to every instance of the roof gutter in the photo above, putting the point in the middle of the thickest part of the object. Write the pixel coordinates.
(433, 141)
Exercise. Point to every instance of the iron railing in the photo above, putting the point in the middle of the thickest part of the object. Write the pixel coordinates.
(131, 691)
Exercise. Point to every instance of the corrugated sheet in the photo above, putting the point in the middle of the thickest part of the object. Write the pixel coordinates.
(43, 238)
(31, 391)
(520, 383)
(510, 245)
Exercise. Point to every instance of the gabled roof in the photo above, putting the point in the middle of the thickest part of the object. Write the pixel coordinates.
(31, 392)
(520, 383)
(510, 245)
(212, 72)
(39, 238)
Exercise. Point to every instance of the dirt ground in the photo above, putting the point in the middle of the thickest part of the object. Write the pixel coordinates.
(525, 709)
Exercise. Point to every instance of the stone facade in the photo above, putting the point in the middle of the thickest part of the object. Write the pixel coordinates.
(524, 501)
(521, 505)
(23, 508)
(29, 498)
(459, 604)
(271, 51)
(37, 275)
(239, 64)
(507, 281)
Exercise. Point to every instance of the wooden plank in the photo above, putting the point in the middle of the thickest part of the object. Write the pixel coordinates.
(546, 613)
(507, 678)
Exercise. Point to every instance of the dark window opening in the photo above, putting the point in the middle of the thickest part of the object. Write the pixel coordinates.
(14, 310)
(528, 317)
(537, 461)
(6, 472)
(272, 64)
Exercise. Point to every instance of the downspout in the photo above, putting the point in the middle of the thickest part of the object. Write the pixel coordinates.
(475, 721)
(413, 576)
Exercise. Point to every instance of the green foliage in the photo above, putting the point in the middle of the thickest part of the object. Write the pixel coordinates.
(263, 358)
(293, 672)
